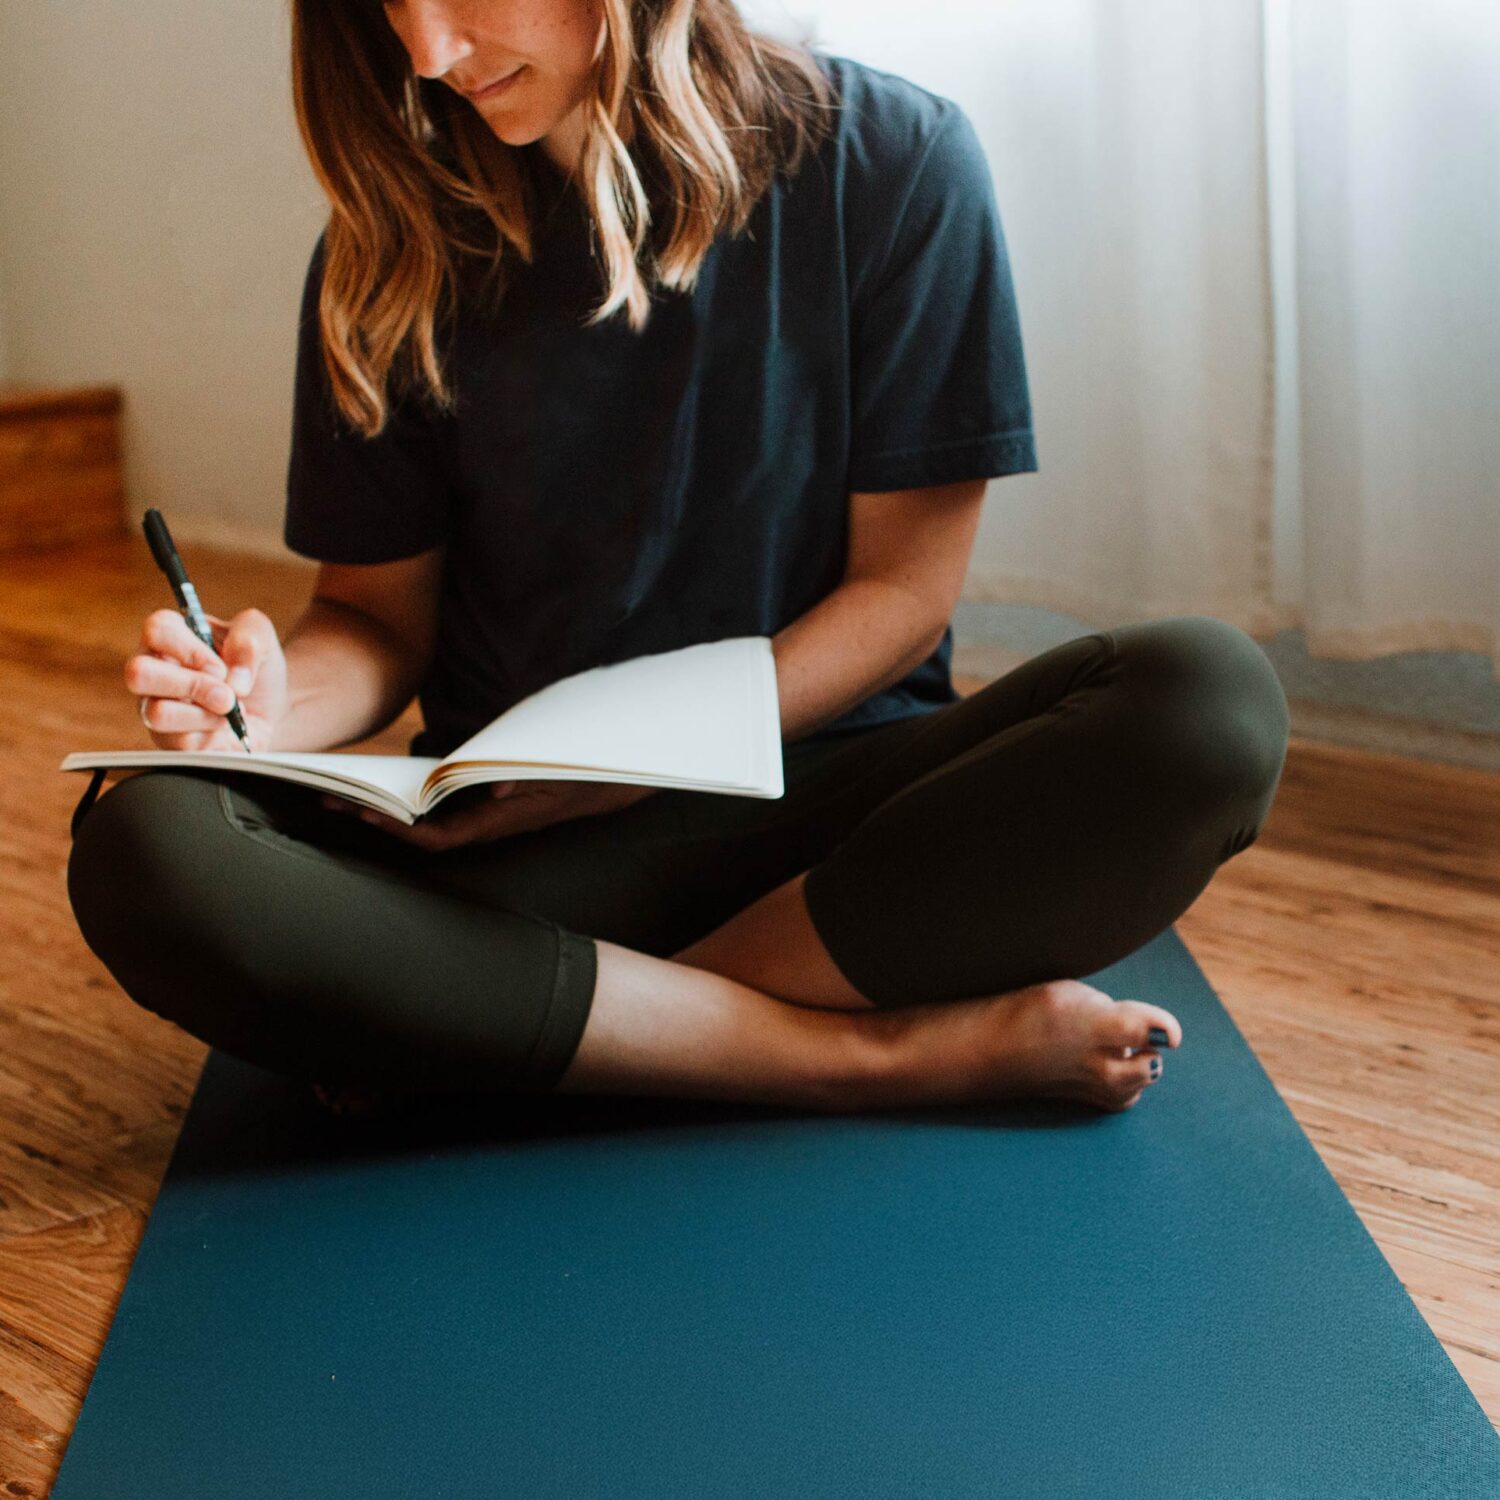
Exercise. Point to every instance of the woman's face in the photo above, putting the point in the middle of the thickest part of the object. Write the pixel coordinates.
(471, 43)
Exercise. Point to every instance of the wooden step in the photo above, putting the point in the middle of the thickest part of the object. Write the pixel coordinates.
(60, 468)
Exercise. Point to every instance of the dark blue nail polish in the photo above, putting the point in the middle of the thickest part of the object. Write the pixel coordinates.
(1155, 1069)
(1157, 1037)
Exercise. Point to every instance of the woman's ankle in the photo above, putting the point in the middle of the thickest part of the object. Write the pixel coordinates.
(663, 1027)
(899, 1057)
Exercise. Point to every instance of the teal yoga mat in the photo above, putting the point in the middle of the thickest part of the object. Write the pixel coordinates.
(612, 1297)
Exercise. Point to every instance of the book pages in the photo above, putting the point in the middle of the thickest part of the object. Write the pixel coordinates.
(395, 781)
(694, 715)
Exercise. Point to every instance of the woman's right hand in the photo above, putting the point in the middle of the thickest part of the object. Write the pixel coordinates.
(188, 690)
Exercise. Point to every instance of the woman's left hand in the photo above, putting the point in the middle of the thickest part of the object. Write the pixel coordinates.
(503, 807)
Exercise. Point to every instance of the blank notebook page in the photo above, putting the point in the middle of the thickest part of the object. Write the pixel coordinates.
(686, 714)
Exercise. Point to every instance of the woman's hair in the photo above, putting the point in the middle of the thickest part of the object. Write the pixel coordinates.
(691, 108)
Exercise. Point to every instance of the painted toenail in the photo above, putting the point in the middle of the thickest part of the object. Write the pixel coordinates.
(1155, 1068)
(1157, 1037)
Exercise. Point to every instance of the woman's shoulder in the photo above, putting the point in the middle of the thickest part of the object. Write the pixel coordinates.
(903, 157)
(887, 123)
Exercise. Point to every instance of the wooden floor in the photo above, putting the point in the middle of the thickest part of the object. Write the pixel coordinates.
(1355, 945)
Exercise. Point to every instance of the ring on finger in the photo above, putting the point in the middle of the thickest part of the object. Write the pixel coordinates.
(145, 703)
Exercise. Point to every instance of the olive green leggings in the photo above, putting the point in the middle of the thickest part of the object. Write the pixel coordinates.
(1042, 828)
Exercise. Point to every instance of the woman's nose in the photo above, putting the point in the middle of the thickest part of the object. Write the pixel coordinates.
(433, 40)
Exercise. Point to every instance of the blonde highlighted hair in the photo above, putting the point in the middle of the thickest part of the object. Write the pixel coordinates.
(691, 110)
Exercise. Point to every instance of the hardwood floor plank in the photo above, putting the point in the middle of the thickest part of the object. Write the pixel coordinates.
(58, 1292)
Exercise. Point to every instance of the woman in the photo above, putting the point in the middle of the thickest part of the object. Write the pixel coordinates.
(632, 328)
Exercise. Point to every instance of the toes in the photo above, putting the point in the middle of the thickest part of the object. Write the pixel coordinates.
(1127, 1075)
(1100, 1095)
(1131, 1023)
(1113, 1101)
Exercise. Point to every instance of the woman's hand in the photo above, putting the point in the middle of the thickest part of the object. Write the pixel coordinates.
(502, 807)
(183, 684)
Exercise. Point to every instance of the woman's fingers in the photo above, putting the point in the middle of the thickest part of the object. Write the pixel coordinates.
(174, 716)
(420, 833)
(156, 677)
(457, 826)
(244, 643)
(181, 707)
(486, 818)
(167, 634)
(181, 682)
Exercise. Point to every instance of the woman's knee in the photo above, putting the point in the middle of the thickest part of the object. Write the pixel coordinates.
(1216, 710)
(140, 852)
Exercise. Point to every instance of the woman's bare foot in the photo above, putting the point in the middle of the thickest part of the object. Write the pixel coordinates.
(1063, 1039)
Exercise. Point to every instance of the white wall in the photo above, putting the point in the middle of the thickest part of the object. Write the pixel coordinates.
(156, 215)
(4, 358)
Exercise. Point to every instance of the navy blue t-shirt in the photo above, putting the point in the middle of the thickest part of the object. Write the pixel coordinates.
(604, 494)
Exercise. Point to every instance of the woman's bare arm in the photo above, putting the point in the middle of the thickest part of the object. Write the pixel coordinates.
(908, 552)
(358, 652)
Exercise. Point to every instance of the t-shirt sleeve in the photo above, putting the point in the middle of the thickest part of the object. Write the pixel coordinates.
(349, 498)
(938, 377)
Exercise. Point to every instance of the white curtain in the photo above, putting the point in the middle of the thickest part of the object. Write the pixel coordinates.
(1256, 247)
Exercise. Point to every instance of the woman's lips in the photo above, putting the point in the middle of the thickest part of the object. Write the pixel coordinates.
(496, 88)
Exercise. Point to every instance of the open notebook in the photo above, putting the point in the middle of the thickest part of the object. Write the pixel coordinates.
(701, 718)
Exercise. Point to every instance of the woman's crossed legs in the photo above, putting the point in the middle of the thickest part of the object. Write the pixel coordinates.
(905, 926)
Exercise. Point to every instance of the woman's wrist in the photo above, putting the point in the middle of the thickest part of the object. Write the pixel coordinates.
(344, 683)
(863, 636)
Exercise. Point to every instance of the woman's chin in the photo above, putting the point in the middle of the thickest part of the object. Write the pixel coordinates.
(515, 128)
(512, 131)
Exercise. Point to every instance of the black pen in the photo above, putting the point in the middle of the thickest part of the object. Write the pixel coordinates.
(167, 560)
